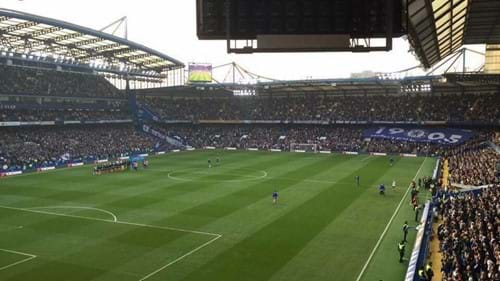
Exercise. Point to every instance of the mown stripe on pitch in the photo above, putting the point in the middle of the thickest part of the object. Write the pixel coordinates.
(169, 191)
(132, 236)
(211, 211)
(358, 226)
(125, 236)
(260, 255)
(109, 184)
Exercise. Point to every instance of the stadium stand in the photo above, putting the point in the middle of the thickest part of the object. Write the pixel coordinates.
(416, 107)
(469, 234)
(280, 137)
(43, 82)
(7, 115)
(33, 147)
(473, 163)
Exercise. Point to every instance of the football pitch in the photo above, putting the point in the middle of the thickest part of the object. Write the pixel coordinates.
(180, 220)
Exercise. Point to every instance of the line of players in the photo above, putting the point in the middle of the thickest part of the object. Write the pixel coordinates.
(118, 166)
(111, 167)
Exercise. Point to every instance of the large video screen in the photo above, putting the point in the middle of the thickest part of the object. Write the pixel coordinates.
(200, 72)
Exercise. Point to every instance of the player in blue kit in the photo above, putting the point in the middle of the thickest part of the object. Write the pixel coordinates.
(275, 197)
(381, 189)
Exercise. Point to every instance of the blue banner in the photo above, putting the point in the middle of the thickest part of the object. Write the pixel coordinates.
(439, 136)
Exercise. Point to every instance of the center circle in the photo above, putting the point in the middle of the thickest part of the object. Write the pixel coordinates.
(217, 174)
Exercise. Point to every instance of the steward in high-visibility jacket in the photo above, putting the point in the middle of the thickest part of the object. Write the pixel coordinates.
(401, 250)
(421, 274)
(428, 271)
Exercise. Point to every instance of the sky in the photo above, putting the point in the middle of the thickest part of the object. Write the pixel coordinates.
(169, 26)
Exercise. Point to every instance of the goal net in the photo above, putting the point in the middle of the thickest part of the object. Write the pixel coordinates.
(304, 147)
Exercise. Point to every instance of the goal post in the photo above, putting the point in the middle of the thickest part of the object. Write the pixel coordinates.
(304, 147)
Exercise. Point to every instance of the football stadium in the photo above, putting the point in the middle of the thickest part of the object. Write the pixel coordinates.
(252, 140)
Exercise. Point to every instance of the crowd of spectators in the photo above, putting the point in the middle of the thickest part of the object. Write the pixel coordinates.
(31, 81)
(469, 236)
(474, 162)
(267, 137)
(24, 148)
(410, 108)
(7, 115)
(473, 165)
(281, 137)
(395, 146)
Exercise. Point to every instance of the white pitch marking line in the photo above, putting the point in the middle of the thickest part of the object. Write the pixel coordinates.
(180, 258)
(366, 158)
(110, 221)
(115, 219)
(29, 257)
(248, 177)
(365, 266)
(264, 175)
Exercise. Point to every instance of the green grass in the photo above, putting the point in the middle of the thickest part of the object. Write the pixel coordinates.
(180, 220)
(200, 76)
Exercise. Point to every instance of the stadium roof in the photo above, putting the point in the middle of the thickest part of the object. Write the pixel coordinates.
(32, 35)
(438, 28)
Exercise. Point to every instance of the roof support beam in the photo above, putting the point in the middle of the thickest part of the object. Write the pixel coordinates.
(135, 57)
(18, 26)
(87, 42)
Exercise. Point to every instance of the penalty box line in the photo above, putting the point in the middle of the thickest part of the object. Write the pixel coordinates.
(214, 235)
(29, 257)
(109, 221)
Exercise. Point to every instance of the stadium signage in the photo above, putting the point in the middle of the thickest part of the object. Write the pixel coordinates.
(419, 242)
(13, 173)
(31, 123)
(435, 173)
(439, 136)
(408, 155)
(7, 106)
(378, 154)
(43, 169)
(153, 132)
